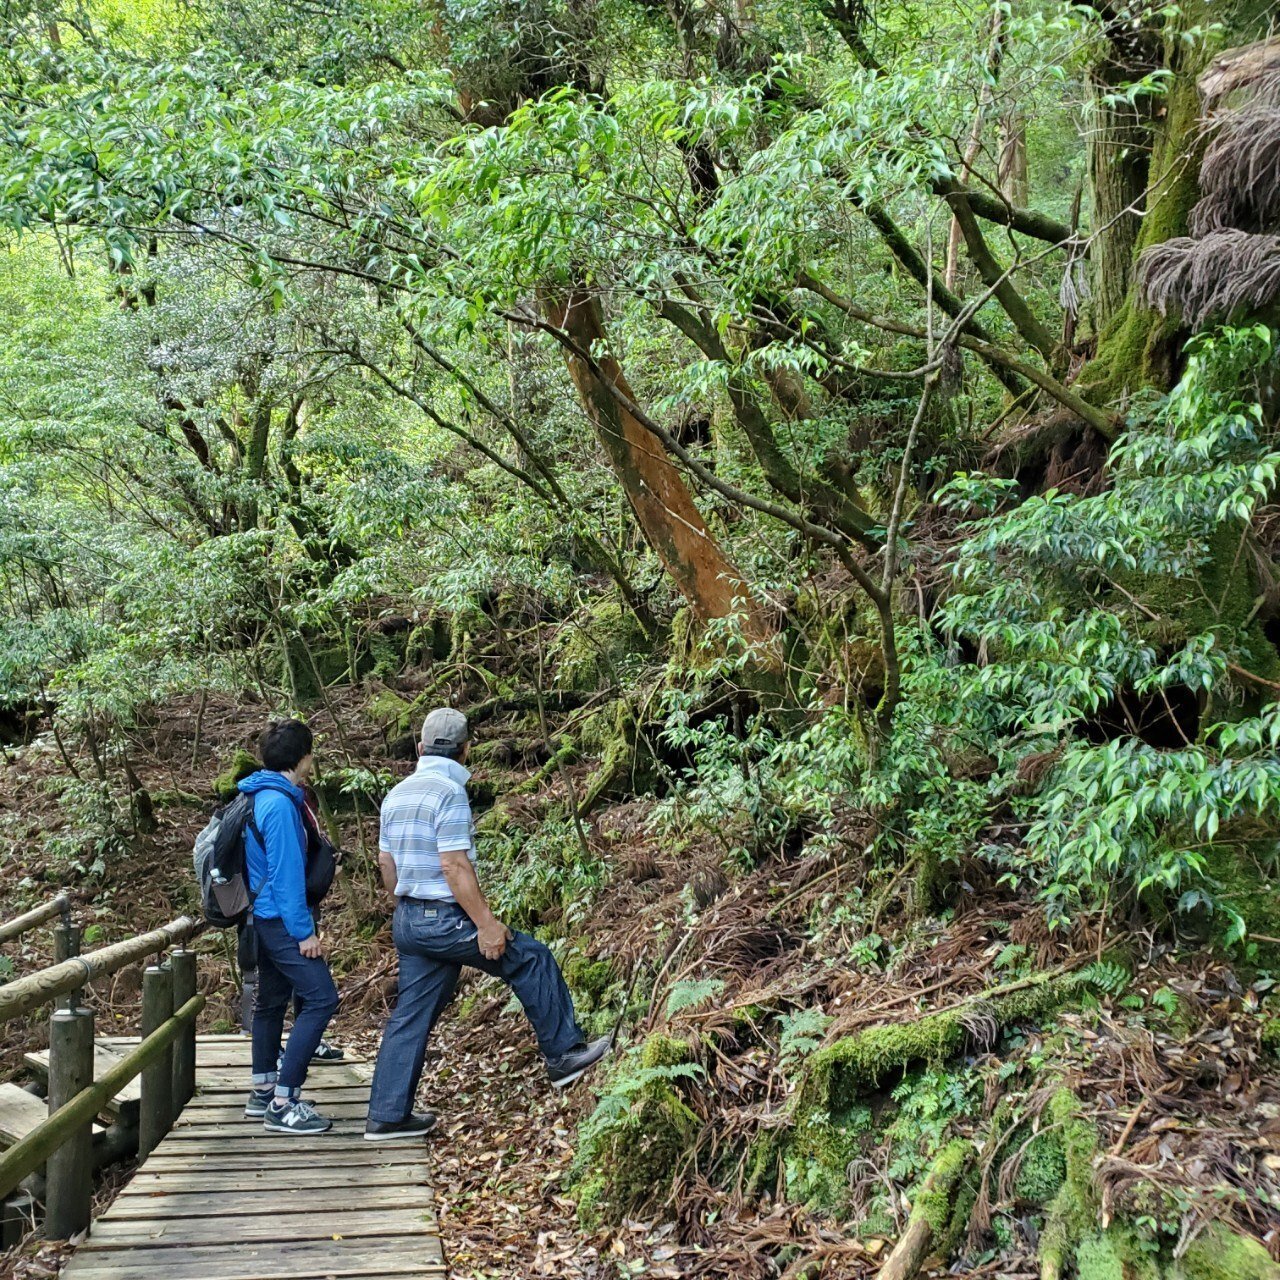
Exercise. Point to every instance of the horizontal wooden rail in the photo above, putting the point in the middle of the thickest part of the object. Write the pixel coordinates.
(27, 1156)
(15, 928)
(24, 994)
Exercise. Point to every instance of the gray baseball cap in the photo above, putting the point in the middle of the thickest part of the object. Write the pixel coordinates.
(445, 727)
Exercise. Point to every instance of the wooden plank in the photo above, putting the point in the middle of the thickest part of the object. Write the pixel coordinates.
(221, 1198)
(144, 1185)
(236, 1073)
(262, 1228)
(402, 1271)
(345, 1136)
(236, 1202)
(104, 1058)
(366, 1153)
(20, 1112)
(246, 1136)
(317, 1089)
(239, 1084)
(209, 1038)
(222, 1059)
(213, 1187)
(307, 1260)
(228, 1115)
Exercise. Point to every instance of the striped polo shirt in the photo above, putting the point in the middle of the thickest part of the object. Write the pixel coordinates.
(425, 815)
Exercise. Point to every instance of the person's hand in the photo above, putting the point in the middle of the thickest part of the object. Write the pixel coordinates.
(492, 939)
(311, 948)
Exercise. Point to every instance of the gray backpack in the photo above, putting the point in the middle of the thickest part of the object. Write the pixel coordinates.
(219, 863)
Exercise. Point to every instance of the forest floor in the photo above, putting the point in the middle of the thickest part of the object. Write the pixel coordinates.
(1190, 1101)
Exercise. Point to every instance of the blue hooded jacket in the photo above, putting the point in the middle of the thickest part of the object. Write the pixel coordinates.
(279, 873)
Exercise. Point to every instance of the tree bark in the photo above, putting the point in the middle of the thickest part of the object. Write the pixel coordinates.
(661, 500)
(1119, 164)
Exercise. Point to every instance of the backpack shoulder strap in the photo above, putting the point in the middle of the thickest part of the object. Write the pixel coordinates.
(251, 824)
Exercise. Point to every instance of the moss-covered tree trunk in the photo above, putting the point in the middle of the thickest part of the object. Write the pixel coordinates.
(1138, 347)
(1119, 160)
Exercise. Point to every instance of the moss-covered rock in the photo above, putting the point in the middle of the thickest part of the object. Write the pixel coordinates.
(1115, 1254)
(629, 1156)
(595, 651)
(627, 766)
(1238, 877)
(819, 1150)
(240, 766)
(1218, 1253)
(392, 713)
(589, 979)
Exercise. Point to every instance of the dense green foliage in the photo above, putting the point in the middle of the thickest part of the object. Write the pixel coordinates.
(627, 359)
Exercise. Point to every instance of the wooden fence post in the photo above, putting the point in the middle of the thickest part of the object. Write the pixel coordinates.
(66, 943)
(155, 1114)
(183, 964)
(69, 1171)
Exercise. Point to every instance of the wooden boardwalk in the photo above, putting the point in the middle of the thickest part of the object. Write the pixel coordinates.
(220, 1199)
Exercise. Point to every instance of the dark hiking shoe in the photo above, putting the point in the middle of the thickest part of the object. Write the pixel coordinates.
(295, 1119)
(259, 1101)
(565, 1069)
(417, 1125)
(326, 1052)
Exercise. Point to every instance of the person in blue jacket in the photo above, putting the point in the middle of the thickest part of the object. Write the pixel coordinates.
(290, 954)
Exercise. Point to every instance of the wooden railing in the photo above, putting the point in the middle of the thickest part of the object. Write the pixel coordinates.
(165, 1058)
(15, 928)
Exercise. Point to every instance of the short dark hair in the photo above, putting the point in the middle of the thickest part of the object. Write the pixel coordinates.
(449, 753)
(283, 744)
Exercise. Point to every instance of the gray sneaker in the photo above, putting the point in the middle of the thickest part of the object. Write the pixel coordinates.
(295, 1119)
(259, 1101)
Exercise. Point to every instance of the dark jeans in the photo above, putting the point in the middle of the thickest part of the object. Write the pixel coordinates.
(282, 970)
(435, 939)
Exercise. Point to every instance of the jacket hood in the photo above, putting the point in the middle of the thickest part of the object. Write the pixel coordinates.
(270, 780)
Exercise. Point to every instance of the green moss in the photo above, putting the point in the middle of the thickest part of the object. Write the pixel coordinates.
(1042, 1169)
(566, 752)
(241, 765)
(589, 979)
(1240, 883)
(944, 1200)
(1115, 1254)
(627, 1161)
(1220, 598)
(665, 1051)
(392, 713)
(591, 653)
(175, 797)
(627, 766)
(819, 1151)
(856, 1064)
(1220, 1254)
(1271, 1035)
(1073, 1212)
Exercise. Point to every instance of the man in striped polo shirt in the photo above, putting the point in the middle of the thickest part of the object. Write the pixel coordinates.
(427, 853)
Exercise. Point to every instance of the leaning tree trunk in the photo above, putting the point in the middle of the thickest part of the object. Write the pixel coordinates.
(664, 507)
(1138, 347)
